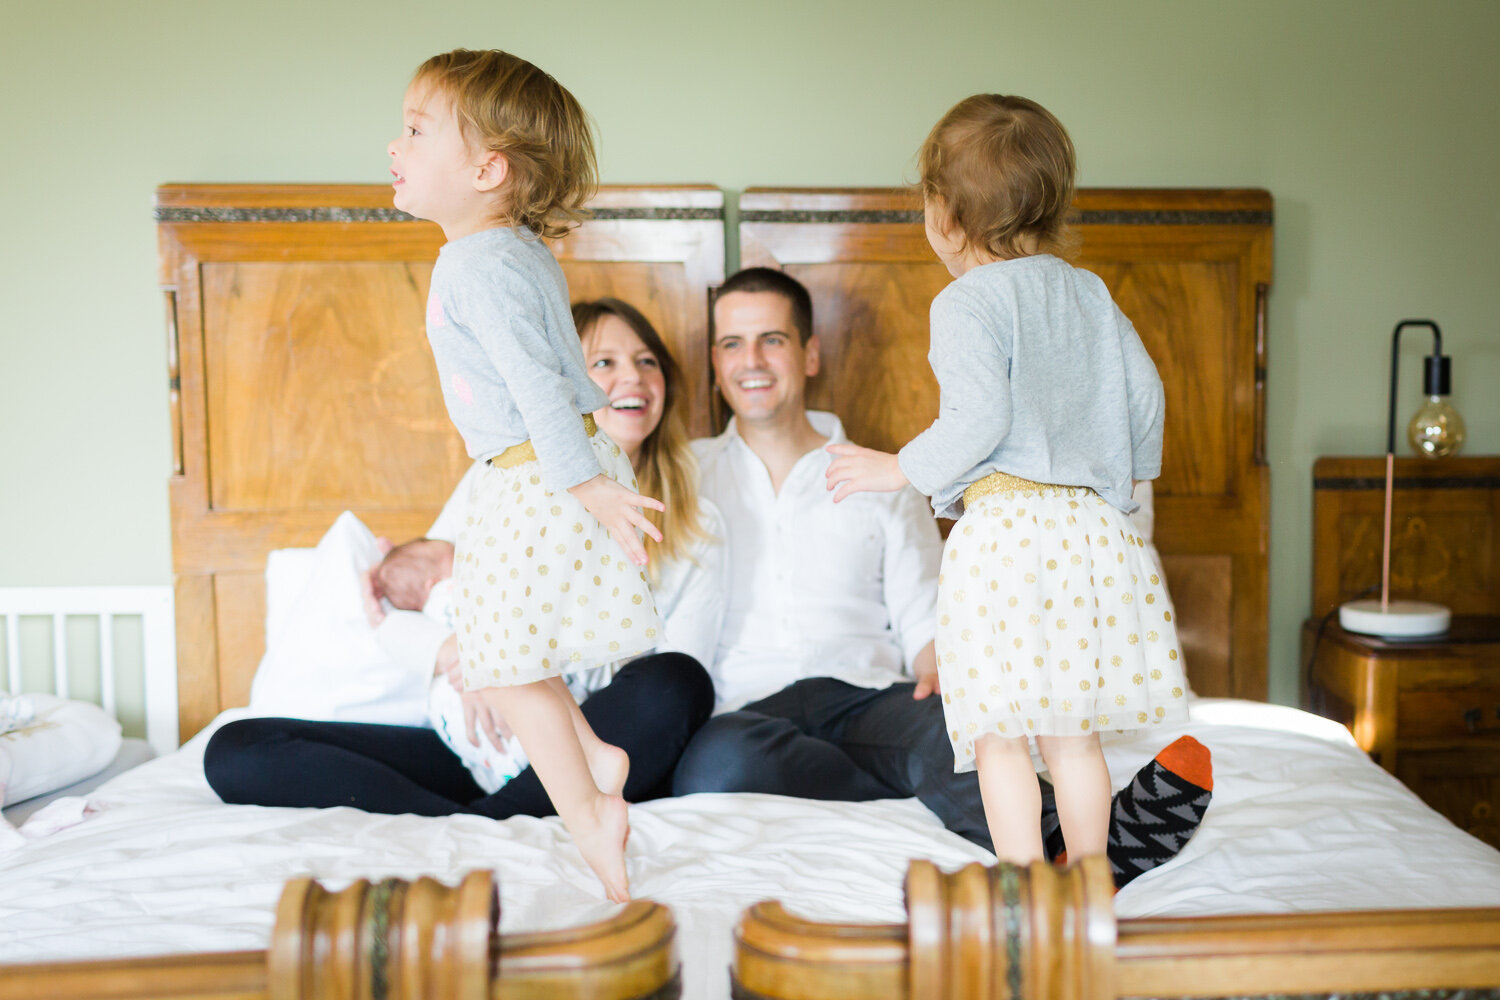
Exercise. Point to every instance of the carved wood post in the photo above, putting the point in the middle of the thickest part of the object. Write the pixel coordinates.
(389, 940)
(1004, 933)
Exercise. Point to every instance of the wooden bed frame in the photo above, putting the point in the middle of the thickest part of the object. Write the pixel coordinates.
(301, 385)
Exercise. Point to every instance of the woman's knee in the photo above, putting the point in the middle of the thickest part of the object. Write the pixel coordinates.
(232, 760)
(678, 684)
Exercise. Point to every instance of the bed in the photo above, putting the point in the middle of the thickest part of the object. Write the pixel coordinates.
(300, 387)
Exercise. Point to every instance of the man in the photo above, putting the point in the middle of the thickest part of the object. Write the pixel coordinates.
(825, 672)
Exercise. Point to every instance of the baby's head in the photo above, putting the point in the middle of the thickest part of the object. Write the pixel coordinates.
(503, 104)
(998, 171)
(408, 572)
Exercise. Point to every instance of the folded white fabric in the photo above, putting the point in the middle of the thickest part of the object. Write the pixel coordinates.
(15, 711)
(323, 659)
(62, 742)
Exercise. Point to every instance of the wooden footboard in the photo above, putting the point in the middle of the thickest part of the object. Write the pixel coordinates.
(392, 940)
(1004, 932)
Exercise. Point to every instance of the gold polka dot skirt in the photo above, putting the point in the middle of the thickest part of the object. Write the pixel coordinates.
(540, 589)
(1052, 620)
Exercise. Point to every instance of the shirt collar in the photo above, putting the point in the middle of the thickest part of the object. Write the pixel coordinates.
(825, 423)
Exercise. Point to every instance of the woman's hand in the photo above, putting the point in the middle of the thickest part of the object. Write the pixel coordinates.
(481, 716)
(619, 510)
(374, 610)
(863, 470)
(447, 663)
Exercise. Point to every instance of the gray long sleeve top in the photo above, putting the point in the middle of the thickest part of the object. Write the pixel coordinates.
(1041, 376)
(507, 354)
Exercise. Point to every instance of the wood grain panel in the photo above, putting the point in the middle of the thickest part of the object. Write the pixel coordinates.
(197, 652)
(1445, 532)
(240, 610)
(1202, 589)
(1183, 313)
(357, 411)
(304, 384)
(1190, 269)
(871, 322)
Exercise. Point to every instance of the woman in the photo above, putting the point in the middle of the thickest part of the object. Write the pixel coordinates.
(650, 706)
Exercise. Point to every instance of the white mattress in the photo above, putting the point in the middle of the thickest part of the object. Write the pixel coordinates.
(1300, 820)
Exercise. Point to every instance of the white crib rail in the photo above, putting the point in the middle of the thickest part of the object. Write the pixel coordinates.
(159, 650)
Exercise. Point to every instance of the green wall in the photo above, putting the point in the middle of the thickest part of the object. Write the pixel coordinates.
(1376, 125)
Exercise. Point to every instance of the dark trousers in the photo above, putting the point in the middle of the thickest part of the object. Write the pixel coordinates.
(651, 709)
(821, 738)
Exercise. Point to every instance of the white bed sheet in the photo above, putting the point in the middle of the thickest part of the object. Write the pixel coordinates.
(1300, 820)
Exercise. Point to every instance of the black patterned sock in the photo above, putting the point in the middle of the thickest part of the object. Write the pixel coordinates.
(1153, 816)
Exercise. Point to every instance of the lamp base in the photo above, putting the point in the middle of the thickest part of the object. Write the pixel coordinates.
(1399, 619)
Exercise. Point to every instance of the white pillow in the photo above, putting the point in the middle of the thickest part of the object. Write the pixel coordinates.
(322, 658)
(65, 742)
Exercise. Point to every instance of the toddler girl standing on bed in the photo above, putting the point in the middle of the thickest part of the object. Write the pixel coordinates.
(547, 571)
(1052, 621)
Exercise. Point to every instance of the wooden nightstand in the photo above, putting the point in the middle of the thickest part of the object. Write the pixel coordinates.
(1426, 710)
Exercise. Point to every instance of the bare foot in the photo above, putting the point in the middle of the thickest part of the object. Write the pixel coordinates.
(609, 765)
(602, 845)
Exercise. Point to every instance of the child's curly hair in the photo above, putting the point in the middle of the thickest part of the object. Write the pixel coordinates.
(506, 105)
(1002, 169)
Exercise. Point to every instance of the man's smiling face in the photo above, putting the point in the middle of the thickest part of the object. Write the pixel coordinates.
(760, 363)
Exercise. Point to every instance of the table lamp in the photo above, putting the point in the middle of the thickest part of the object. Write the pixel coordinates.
(1385, 617)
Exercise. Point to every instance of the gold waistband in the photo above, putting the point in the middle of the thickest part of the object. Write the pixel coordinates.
(520, 454)
(1004, 482)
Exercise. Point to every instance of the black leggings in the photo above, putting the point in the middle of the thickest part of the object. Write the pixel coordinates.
(651, 709)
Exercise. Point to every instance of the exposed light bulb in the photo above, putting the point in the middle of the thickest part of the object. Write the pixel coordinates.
(1437, 430)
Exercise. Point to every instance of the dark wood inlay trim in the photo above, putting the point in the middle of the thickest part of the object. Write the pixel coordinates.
(1156, 217)
(1408, 483)
(333, 213)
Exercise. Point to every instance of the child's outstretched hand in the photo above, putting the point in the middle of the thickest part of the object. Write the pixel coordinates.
(863, 470)
(619, 510)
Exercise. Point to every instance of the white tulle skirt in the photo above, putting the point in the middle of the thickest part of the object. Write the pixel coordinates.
(1052, 620)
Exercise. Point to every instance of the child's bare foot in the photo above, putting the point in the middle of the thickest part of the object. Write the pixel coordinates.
(609, 765)
(603, 845)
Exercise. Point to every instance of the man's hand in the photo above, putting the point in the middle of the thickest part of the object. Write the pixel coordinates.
(481, 716)
(447, 663)
(863, 470)
(619, 510)
(924, 669)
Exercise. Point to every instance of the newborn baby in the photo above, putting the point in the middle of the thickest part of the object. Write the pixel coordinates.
(417, 576)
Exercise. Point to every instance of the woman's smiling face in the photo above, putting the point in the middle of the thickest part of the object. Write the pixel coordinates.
(624, 367)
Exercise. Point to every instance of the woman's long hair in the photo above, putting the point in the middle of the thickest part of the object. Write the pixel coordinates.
(666, 468)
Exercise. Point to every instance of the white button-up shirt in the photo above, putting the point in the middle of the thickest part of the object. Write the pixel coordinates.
(819, 589)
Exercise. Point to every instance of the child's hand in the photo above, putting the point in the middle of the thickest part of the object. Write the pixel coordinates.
(447, 664)
(863, 470)
(482, 716)
(924, 669)
(619, 510)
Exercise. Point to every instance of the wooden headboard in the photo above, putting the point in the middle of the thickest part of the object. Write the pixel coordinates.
(1191, 269)
(301, 382)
